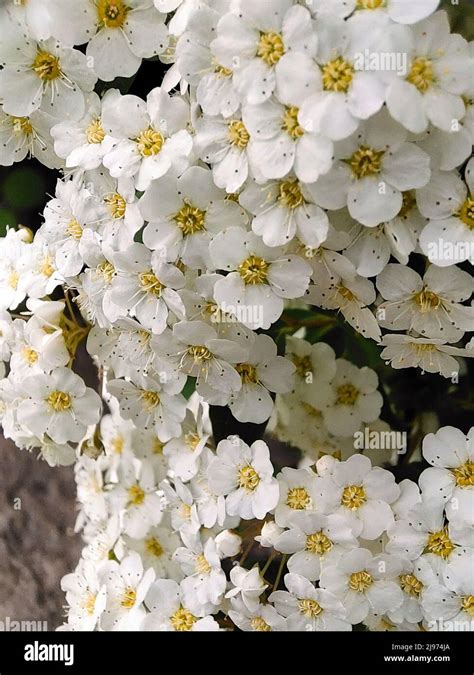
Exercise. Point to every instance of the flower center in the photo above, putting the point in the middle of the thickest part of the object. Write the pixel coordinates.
(370, 4)
(238, 134)
(302, 364)
(154, 547)
(89, 603)
(106, 270)
(157, 447)
(136, 495)
(46, 66)
(200, 353)
(13, 279)
(468, 604)
(347, 394)
(248, 478)
(290, 123)
(298, 499)
(112, 13)
(310, 608)
(150, 399)
(117, 444)
(222, 70)
(247, 372)
(254, 270)
(22, 125)
(94, 132)
(260, 625)
(353, 497)
(59, 401)
(290, 195)
(360, 581)
(466, 213)
(190, 219)
(192, 440)
(116, 205)
(149, 142)
(46, 268)
(183, 620)
(440, 544)
(365, 161)
(318, 543)
(464, 474)
(408, 204)
(202, 566)
(421, 74)
(427, 300)
(337, 75)
(270, 48)
(129, 597)
(150, 283)
(411, 585)
(74, 229)
(29, 355)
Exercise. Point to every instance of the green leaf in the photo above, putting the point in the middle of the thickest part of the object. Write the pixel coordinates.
(24, 188)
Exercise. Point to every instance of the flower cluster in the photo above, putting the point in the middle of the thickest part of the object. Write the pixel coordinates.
(288, 162)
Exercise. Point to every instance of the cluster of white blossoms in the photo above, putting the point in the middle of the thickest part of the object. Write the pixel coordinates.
(308, 157)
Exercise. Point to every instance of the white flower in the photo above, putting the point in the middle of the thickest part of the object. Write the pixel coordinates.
(449, 606)
(156, 549)
(196, 63)
(59, 405)
(364, 583)
(184, 214)
(223, 143)
(448, 203)
(119, 33)
(354, 400)
(151, 135)
(307, 608)
(263, 372)
(195, 349)
(278, 143)
(430, 306)
(43, 75)
(438, 74)
(22, 137)
(345, 93)
(200, 562)
(145, 285)
(83, 143)
(261, 618)
(248, 585)
(361, 494)
(260, 277)
(298, 492)
(314, 540)
(127, 585)
(67, 225)
(36, 15)
(255, 43)
(184, 453)
(245, 475)
(314, 363)
(451, 481)
(432, 356)
(85, 595)
(150, 403)
(283, 210)
(228, 544)
(269, 534)
(372, 169)
(121, 219)
(136, 494)
(169, 612)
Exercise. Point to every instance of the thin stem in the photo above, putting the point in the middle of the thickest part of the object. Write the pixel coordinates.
(270, 559)
(280, 571)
